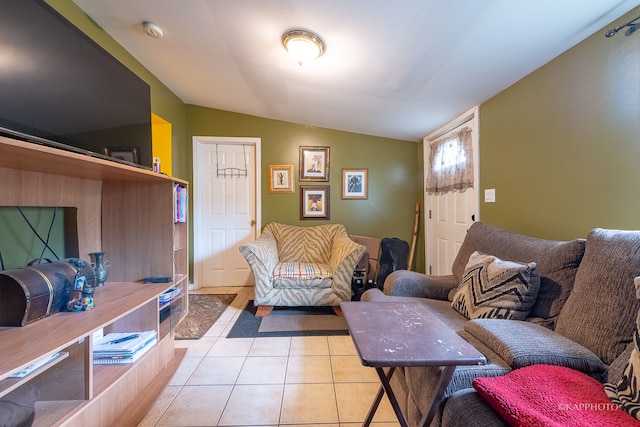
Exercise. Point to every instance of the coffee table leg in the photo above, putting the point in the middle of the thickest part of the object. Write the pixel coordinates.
(386, 387)
(443, 382)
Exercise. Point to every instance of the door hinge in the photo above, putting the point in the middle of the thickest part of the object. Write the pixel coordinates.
(429, 213)
(430, 270)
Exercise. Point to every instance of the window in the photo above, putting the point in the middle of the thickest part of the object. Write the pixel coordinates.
(451, 163)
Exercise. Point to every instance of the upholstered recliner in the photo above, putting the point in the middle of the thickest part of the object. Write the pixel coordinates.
(302, 266)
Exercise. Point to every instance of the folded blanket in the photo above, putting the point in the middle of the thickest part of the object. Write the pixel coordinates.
(551, 396)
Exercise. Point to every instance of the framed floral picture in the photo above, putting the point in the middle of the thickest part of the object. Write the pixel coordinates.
(355, 183)
(314, 164)
(280, 178)
(314, 202)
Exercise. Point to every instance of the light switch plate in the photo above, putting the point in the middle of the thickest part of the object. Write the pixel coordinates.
(490, 195)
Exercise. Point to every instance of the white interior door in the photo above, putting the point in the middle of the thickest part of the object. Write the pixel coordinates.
(449, 216)
(225, 207)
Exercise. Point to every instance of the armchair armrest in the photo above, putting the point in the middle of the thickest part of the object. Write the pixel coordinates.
(406, 283)
(345, 254)
(262, 256)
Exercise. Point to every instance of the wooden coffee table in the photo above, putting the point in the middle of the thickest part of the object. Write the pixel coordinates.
(391, 335)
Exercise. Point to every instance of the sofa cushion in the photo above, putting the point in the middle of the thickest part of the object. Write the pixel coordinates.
(626, 391)
(545, 395)
(522, 344)
(600, 313)
(557, 262)
(493, 288)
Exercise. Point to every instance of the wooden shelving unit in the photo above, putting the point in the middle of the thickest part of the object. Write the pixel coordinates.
(127, 212)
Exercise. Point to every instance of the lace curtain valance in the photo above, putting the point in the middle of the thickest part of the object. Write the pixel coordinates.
(451, 163)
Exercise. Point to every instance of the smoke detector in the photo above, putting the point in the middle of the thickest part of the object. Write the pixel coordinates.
(152, 30)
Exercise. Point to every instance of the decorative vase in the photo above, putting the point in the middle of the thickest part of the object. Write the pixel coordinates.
(100, 267)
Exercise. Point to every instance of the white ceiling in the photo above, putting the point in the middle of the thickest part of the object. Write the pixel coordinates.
(397, 69)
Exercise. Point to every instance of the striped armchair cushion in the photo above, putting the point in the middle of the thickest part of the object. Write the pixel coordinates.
(301, 270)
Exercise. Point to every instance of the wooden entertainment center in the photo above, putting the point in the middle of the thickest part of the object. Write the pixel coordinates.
(128, 213)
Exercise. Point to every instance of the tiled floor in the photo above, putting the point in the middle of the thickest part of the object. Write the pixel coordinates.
(310, 381)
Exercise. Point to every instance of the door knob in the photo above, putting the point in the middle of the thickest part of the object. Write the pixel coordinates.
(252, 222)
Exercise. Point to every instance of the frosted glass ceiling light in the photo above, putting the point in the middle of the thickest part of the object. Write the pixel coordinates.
(302, 45)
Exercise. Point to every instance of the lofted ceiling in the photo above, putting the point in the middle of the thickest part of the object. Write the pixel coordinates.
(398, 69)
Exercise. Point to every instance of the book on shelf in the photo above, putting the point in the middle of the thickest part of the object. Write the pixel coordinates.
(169, 295)
(123, 347)
(181, 198)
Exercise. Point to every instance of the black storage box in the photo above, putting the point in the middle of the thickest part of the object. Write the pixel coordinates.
(31, 293)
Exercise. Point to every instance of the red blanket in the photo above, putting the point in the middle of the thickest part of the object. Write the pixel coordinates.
(551, 396)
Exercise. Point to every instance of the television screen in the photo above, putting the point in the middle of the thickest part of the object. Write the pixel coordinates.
(60, 88)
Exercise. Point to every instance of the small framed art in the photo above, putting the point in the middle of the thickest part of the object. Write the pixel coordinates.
(355, 183)
(314, 202)
(314, 164)
(280, 178)
(128, 154)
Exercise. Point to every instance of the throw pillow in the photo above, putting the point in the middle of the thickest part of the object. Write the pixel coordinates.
(626, 392)
(493, 288)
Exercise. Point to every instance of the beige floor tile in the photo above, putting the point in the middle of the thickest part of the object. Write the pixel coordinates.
(217, 329)
(185, 370)
(350, 369)
(196, 406)
(160, 406)
(270, 347)
(216, 371)
(231, 347)
(309, 369)
(263, 370)
(253, 405)
(308, 403)
(354, 401)
(341, 345)
(197, 348)
(309, 346)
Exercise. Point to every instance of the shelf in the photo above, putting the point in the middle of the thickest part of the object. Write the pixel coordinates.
(27, 156)
(113, 301)
(9, 384)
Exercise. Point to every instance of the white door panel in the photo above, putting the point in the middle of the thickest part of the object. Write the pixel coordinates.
(225, 209)
(449, 216)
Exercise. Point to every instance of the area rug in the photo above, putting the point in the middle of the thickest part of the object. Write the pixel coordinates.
(288, 322)
(204, 310)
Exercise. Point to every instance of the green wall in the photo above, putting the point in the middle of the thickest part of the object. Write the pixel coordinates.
(395, 172)
(562, 146)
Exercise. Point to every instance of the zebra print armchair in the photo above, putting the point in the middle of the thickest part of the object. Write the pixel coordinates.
(302, 266)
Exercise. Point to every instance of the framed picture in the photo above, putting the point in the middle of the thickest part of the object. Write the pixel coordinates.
(314, 163)
(314, 202)
(128, 154)
(280, 178)
(355, 183)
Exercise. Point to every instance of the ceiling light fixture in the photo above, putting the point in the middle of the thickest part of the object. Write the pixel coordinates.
(303, 46)
(152, 30)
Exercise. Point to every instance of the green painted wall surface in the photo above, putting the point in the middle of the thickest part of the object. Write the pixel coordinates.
(562, 146)
(164, 103)
(395, 172)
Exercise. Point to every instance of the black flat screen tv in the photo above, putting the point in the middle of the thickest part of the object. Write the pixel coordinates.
(60, 88)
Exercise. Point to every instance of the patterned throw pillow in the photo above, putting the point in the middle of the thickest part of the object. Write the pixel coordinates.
(301, 270)
(626, 392)
(493, 288)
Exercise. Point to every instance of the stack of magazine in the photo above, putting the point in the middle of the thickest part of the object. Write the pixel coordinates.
(122, 347)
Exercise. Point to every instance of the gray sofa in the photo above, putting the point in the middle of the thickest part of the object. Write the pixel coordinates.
(583, 317)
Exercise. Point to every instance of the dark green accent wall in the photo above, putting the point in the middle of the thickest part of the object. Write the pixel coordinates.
(395, 172)
(562, 146)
